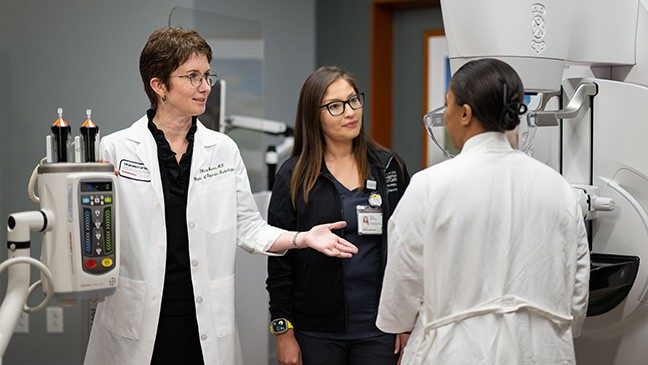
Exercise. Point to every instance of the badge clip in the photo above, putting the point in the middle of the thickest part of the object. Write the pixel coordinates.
(375, 200)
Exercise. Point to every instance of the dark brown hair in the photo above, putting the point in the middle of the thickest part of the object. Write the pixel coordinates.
(167, 49)
(309, 136)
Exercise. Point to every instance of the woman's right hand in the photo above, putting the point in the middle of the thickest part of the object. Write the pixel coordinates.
(288, 352)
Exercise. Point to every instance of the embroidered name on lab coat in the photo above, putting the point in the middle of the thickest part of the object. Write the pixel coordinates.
(212, 171)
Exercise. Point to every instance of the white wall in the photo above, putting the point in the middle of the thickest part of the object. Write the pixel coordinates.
(81, 54)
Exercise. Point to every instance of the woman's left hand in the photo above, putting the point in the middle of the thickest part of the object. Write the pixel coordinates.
(321, 238)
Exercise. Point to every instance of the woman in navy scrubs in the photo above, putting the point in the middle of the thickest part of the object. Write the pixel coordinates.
(324, 309)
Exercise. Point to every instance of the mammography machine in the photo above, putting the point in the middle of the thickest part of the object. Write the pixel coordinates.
(592, 56)
(78, 216)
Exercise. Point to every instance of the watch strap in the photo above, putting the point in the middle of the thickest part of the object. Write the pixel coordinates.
(288, 326)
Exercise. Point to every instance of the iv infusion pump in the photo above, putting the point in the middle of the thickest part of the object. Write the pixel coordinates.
(78, 210)
(86, 266)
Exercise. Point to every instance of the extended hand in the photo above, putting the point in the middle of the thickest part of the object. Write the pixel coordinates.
(321, 238)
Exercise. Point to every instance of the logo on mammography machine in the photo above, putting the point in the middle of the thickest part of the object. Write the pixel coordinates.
(538, 27)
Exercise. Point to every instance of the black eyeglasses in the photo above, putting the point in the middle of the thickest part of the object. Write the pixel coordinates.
(196, 79)
(336, 108)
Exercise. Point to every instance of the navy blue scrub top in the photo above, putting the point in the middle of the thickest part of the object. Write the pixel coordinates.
(362, 279)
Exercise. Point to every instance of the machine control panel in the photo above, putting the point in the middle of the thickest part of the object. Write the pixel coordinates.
(96, 203)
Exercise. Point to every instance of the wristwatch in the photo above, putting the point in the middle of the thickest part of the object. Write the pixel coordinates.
(279, 326)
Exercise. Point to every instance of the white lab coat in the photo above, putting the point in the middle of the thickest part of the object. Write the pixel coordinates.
(221, 214)
(488, 261)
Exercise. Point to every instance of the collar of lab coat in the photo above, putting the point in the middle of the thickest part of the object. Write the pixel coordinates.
(487, 142)
(147, 148)
(204, 144)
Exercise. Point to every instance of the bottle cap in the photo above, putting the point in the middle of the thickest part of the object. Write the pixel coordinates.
(88, 122)
(60, 122)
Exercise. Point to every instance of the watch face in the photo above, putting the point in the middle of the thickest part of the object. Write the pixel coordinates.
(279, 325)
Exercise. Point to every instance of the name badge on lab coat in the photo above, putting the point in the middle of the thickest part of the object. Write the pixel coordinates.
(369, 220)
(134, 171)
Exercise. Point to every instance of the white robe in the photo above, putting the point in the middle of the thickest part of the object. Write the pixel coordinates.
(488, 261)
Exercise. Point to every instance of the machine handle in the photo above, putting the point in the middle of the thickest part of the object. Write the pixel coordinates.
(549, 118)
(602, 204)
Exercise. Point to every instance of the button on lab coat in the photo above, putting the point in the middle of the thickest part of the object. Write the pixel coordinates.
(221, 214)
(488, 261)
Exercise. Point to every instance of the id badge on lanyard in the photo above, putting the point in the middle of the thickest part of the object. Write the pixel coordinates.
(370, 220)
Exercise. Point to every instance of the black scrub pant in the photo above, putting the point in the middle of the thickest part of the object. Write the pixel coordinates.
(378, 350)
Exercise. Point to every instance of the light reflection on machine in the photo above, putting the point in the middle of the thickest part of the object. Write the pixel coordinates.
(591, 57)
(78, 208)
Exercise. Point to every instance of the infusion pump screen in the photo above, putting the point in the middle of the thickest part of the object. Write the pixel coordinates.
(96, 186)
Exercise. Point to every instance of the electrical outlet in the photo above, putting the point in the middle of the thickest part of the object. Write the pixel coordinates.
(22, 326)
(54, 319)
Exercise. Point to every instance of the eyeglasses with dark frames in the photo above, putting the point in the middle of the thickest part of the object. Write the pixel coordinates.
(337, 107)
(196, 79)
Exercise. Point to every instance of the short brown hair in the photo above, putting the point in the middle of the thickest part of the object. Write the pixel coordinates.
(167, 49)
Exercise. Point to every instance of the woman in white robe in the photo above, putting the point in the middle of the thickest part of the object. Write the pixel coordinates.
(488, 254)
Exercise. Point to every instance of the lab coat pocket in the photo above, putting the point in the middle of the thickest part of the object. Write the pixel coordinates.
(122, 312)
(141, 192)
(218, 203)
(222, 298)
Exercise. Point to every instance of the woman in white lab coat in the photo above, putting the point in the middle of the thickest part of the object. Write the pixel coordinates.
(488, 255)
(184, 205)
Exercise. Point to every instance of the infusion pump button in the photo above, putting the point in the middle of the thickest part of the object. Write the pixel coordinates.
(91, 264)
(106, 262)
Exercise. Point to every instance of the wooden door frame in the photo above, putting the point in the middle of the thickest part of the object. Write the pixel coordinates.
(426, 108)
(381, 64)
